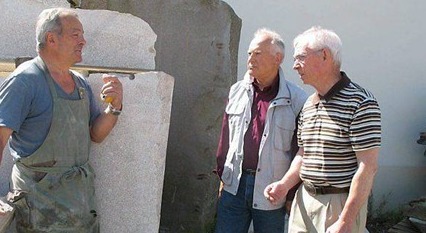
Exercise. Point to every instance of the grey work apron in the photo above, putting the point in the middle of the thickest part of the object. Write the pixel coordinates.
(57, 178)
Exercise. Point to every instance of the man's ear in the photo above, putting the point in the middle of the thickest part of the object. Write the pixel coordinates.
(326, 54)
(279, 58)
(50, 38)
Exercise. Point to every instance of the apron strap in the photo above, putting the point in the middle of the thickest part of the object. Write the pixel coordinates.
(67, 172)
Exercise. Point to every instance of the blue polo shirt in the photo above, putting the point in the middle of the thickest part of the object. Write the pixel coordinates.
(26, 107)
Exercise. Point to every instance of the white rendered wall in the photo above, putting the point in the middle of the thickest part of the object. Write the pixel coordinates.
(383, 50)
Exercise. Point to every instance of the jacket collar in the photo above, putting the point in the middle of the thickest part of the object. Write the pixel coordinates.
(283, 91)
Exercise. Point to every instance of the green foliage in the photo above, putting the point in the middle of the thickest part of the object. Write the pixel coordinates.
(380, 218)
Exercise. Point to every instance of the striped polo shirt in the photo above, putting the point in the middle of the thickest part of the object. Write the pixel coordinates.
(332, 128)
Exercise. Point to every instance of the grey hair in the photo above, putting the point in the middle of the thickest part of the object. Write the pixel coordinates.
(317, 38)
(276, 39)
(49, 20)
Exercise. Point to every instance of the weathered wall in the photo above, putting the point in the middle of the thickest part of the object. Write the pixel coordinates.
(197, 44)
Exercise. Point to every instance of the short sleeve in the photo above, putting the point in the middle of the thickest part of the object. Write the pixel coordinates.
(365, 129)
(15, 101)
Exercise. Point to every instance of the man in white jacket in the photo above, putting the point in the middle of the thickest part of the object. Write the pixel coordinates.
(255, 146)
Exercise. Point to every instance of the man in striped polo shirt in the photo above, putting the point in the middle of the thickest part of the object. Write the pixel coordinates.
(339, 136)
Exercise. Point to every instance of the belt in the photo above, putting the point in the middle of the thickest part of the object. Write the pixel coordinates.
(322, 190)
(250, 172)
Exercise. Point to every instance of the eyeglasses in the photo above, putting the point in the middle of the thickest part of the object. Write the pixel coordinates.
(302, 57)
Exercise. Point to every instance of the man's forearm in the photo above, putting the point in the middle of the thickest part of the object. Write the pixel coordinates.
(277, 191)
(4, 137)
(292, 177)
(102, 126)
(361, 186)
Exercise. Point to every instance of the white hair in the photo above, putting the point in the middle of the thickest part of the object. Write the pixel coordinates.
(275, 39)
(317, 38)
(49, 21)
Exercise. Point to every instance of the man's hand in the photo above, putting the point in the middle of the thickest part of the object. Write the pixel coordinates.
(275, 192)
(339, 227)
(112, 90)
(220, 189)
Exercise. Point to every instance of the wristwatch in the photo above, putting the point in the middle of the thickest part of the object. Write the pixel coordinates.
(114, 111)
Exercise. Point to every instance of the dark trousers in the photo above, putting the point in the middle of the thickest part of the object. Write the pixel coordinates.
(235, 213)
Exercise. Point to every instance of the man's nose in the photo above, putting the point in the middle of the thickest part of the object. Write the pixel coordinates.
(82, 41)
(296, 65)
(251, 58)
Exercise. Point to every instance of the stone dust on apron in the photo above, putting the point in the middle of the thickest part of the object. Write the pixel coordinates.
(57, 179)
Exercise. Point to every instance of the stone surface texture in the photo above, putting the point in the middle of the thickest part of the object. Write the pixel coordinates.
(122, 39)
(130, 163)
(197, 44)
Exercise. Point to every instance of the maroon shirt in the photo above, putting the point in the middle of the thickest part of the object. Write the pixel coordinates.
(253, 136)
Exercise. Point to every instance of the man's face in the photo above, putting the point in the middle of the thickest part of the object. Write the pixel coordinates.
(262, 62)
(71, 41)
(307, 63)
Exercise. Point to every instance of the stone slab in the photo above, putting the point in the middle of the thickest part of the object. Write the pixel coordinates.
(130, 163)
(197, 44)
(113, 39)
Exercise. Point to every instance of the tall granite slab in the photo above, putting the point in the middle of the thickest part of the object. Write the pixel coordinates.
(197, 44)
(130, 163)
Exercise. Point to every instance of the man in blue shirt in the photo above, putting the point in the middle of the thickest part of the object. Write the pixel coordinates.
(48, 116)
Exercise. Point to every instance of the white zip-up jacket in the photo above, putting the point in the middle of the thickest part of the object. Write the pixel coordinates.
(275, 146)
